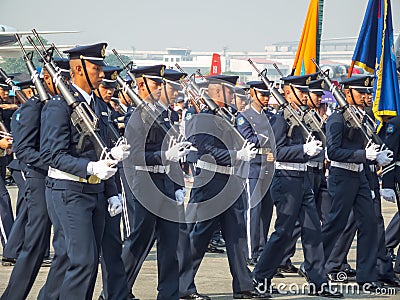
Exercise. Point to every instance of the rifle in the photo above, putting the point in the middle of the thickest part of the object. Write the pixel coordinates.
(352, 116)
(193, 92)
(291, 116)
(18, 93)
(82, 117)
(43, 95)
(153, 116)
(310, 117)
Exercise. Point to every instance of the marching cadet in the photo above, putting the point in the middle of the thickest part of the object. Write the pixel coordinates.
(214, 170)
(147, 172)
(391, 173)
(6, 214)
(112, 267)
(292, 194)
(59, 263)
(253, 124)
(79, 185)
(349, 188)
(26, 144)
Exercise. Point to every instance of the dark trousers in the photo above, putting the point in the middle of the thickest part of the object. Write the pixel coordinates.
(6, 214)
(146, 227)
(350, 191)
(317, 179)
(17, 234)
(393, 232)
(37, 235)
(60, 262)
(294, 200)
(112, 267)
(233, 230)
(259, 207)
(82, 219)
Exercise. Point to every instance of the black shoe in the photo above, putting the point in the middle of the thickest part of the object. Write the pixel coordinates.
(302, 271)
(212, 249)
(289, 268)
(279, 275)
(350, 272)
(251, 295)
(252, 262)
(218, 242)
(337, 277)
(7, 262)
(326, 292)
(393, 282)
(372, 286)
(196, 296)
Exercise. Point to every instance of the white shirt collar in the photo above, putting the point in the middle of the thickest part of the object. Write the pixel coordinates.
(88, 98)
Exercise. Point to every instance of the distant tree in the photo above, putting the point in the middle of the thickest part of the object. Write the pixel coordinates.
(17, 65)
(112, 60)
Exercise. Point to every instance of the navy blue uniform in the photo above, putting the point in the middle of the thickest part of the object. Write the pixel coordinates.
(292, 194)
(83, 203)
(146, 141)
(17, 234)
(259, 205)
(112, 267)
(37, 230)
(349, 190)
(207, 185)
(391, 175)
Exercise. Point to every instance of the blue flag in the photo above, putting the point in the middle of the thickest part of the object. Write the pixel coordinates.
(374, 53)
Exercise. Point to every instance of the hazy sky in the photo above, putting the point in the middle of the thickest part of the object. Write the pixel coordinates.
(204, 25)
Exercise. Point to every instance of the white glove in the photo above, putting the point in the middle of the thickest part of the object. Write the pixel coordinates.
(247, 153)
(312, 148)
(114, 206)
(383, 158)
(372, 194)
(372, 151)
(178, 151)
(120, 152)
(388, 195)
(180, 195)
(103, 169)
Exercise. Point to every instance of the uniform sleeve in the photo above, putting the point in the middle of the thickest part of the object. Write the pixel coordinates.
(59, 128)
(335, 127)
(392, 141)
(246, 130)
(284, 152)
(27, 135)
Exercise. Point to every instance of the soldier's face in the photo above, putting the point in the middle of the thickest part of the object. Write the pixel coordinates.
(169, 92)
(3, 93)
(153, 88)
(106, 93)
(95, 74)
(314, 101)
(354, 97)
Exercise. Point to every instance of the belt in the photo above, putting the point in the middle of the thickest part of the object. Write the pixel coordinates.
(215, 168)
(153, 169)
(58, 174)
(315, 164)
(397, 163)
(290, 166)
(348, 166)
(264, 151)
